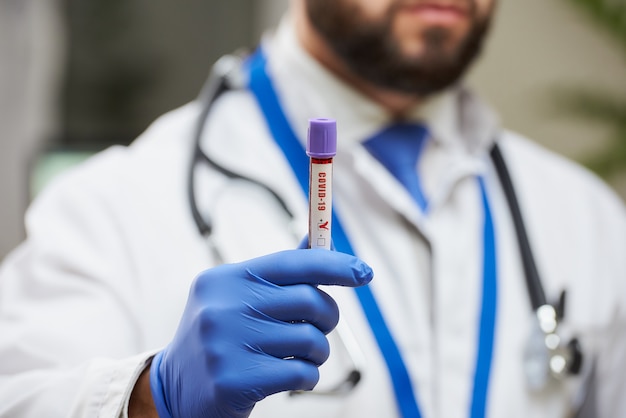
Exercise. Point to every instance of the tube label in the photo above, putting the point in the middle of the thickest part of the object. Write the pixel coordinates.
(320, 203)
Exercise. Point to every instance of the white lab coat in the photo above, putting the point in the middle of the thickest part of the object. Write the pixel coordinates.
(103, 277)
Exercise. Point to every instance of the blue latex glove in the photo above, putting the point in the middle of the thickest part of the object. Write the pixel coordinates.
(250, 330)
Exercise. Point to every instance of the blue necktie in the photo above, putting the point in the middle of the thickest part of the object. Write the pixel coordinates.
(398, 148)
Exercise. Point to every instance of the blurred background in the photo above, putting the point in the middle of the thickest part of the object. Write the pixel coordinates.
(77, 76)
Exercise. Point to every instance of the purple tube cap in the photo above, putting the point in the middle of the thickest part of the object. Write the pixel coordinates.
(322, 138)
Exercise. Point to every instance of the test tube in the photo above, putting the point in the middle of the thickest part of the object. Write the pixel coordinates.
(321, 147)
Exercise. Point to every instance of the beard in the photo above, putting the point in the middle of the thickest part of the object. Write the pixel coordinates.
(369, 49)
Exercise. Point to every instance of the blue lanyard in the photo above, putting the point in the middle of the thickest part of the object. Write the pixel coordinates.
(262, 88)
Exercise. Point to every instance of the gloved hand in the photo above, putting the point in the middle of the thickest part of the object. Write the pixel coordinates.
(250, 330)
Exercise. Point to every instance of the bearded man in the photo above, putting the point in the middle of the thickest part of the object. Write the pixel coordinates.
(167, 278)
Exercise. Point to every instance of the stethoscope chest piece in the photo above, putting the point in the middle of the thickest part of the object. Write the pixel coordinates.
(547, 358)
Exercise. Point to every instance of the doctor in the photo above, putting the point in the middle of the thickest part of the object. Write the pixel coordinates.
(117, 305)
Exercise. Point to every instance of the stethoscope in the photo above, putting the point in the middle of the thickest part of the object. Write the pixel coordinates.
(547, 358)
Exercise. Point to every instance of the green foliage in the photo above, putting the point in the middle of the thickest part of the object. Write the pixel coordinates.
(609, 14)
(602, 107)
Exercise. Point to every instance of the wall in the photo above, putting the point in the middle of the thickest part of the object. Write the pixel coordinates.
(31, 61)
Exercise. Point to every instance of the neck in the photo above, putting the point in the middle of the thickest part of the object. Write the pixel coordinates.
(397, 104)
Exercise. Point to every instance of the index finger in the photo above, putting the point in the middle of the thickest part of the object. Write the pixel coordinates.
(314, 266)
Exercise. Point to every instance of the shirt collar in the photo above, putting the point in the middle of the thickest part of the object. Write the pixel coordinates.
(301, 81)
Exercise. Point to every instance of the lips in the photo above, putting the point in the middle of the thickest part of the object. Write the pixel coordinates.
(441, 12)
(457, 6)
